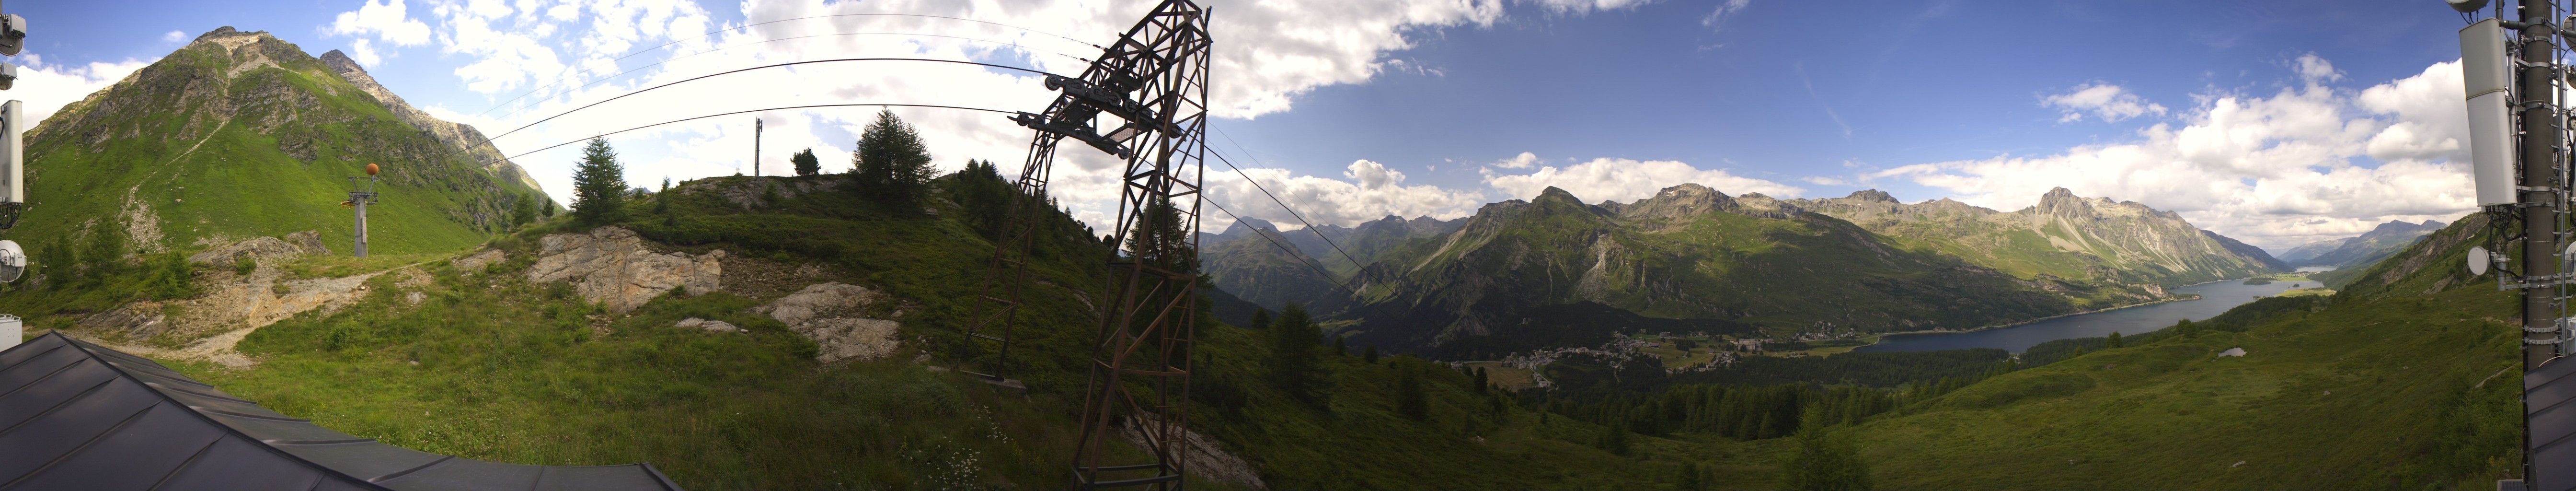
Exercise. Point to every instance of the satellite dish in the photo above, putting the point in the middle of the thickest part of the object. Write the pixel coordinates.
(13, 261)
(2477, 261)
(2466, 6)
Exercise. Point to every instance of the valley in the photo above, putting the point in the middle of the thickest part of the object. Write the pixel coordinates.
(1650, 303)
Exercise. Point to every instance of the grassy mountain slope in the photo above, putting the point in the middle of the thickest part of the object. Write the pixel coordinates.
(1690, 252)
(237, 135)
(2406, 380)
(490, 365)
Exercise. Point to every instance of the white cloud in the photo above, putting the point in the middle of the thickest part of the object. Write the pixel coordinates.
(2314, 70)
(2299, 165)
(1629, 180)
(1717, 19)
(1367, 191)
(173, 37)
(389, 21)
(565, 50)
(1522, 161)
(2108, 102)
(1583, 6)
(46, 87)
(1826, 181)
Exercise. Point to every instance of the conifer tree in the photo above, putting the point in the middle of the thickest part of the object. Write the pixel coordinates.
(1691, 478)
(1292, 352)
(1409, 401)
(599, 185)
(1369, 354)
(806, 163)
(1480, 380)
(662, 198)
(2186, 329)
(525, 212)
(2113, 341)
(891, 162)
(1260, 320)
(1825, 462)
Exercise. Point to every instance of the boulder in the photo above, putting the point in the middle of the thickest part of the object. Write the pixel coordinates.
(139, 320)
(612, 266)
(832, 314)
(478, 261)
(709, 325)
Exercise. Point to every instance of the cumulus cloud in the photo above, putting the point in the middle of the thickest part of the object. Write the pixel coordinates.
(47, 87)
(2110, 103)
(173, 37)
(2298, 165)
(2314, 69)
(388, 21)
(1367, 191)
(1628, 180)
(1522, 161)
(567, 53)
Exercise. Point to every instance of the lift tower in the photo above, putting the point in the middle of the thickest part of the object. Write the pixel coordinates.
(1149, 92)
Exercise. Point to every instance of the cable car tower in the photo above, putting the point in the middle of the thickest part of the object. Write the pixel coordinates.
(1148, 91)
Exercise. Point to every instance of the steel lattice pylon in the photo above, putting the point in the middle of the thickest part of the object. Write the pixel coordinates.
(1149, 89)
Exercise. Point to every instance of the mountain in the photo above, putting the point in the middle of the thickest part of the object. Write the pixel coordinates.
(1240, 262)
(2299, 256)
(457, 135)
(2407, 378)
(1689, 252)
(2063, 236)
(2361, 251)
(240, 134)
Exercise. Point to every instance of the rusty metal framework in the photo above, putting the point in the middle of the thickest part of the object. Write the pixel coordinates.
(1149, 90)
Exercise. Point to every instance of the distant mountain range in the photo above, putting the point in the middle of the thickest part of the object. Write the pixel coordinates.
(1861, 263)
(2363, 250)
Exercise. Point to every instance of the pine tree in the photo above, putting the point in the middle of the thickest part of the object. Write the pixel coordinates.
(1260, 320)
(1825, 462)
(892, 164)
(1409, 401)
(525, 212)
(1158, 238)
(1480, 380)
(1292, 352)
(599, 185)
(1614, 438)
(1691, 478)
(806, 163)
(2113, 341)
(662, 198)
(548, 209)
(2186, 329)
(1369, 354)
(1340, 349)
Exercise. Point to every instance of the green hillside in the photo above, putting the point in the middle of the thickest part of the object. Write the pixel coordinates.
(2406, 380)
(239, 135)
(1688, 253)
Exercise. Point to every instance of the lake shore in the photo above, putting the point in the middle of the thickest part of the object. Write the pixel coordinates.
(1875, 339)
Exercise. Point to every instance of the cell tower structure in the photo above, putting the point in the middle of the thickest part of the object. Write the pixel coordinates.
(1149, 90)
(2518, 136)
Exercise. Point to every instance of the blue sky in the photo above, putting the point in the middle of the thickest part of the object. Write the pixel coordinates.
(2276, 122)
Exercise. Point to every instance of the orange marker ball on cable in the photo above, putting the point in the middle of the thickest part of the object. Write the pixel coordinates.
(371, 168)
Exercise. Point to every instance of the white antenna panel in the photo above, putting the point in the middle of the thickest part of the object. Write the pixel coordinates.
(2482, 69)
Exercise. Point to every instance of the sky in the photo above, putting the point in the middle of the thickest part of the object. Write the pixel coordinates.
(2276, 122)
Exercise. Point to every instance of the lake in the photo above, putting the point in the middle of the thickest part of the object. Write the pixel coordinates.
(2215, 298)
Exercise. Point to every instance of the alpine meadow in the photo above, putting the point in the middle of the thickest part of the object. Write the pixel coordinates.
(1285, 245)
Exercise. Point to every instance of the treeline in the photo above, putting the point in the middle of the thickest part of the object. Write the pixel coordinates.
(1755, 412)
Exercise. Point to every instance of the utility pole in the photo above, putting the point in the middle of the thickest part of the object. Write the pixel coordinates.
(755, 147)
(360, 196)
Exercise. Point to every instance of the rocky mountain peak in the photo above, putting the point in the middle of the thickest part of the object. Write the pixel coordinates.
(1679, 201)
(1874, 195)
(1559, 194)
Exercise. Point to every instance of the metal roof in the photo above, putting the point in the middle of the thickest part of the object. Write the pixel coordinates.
(74, 415)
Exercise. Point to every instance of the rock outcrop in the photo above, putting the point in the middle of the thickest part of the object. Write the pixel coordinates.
(612, 266)
(709, 325)
(833, 315)
(263, 248)
(755, 192)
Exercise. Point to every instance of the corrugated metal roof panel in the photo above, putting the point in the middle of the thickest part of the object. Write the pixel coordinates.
(78, 416)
